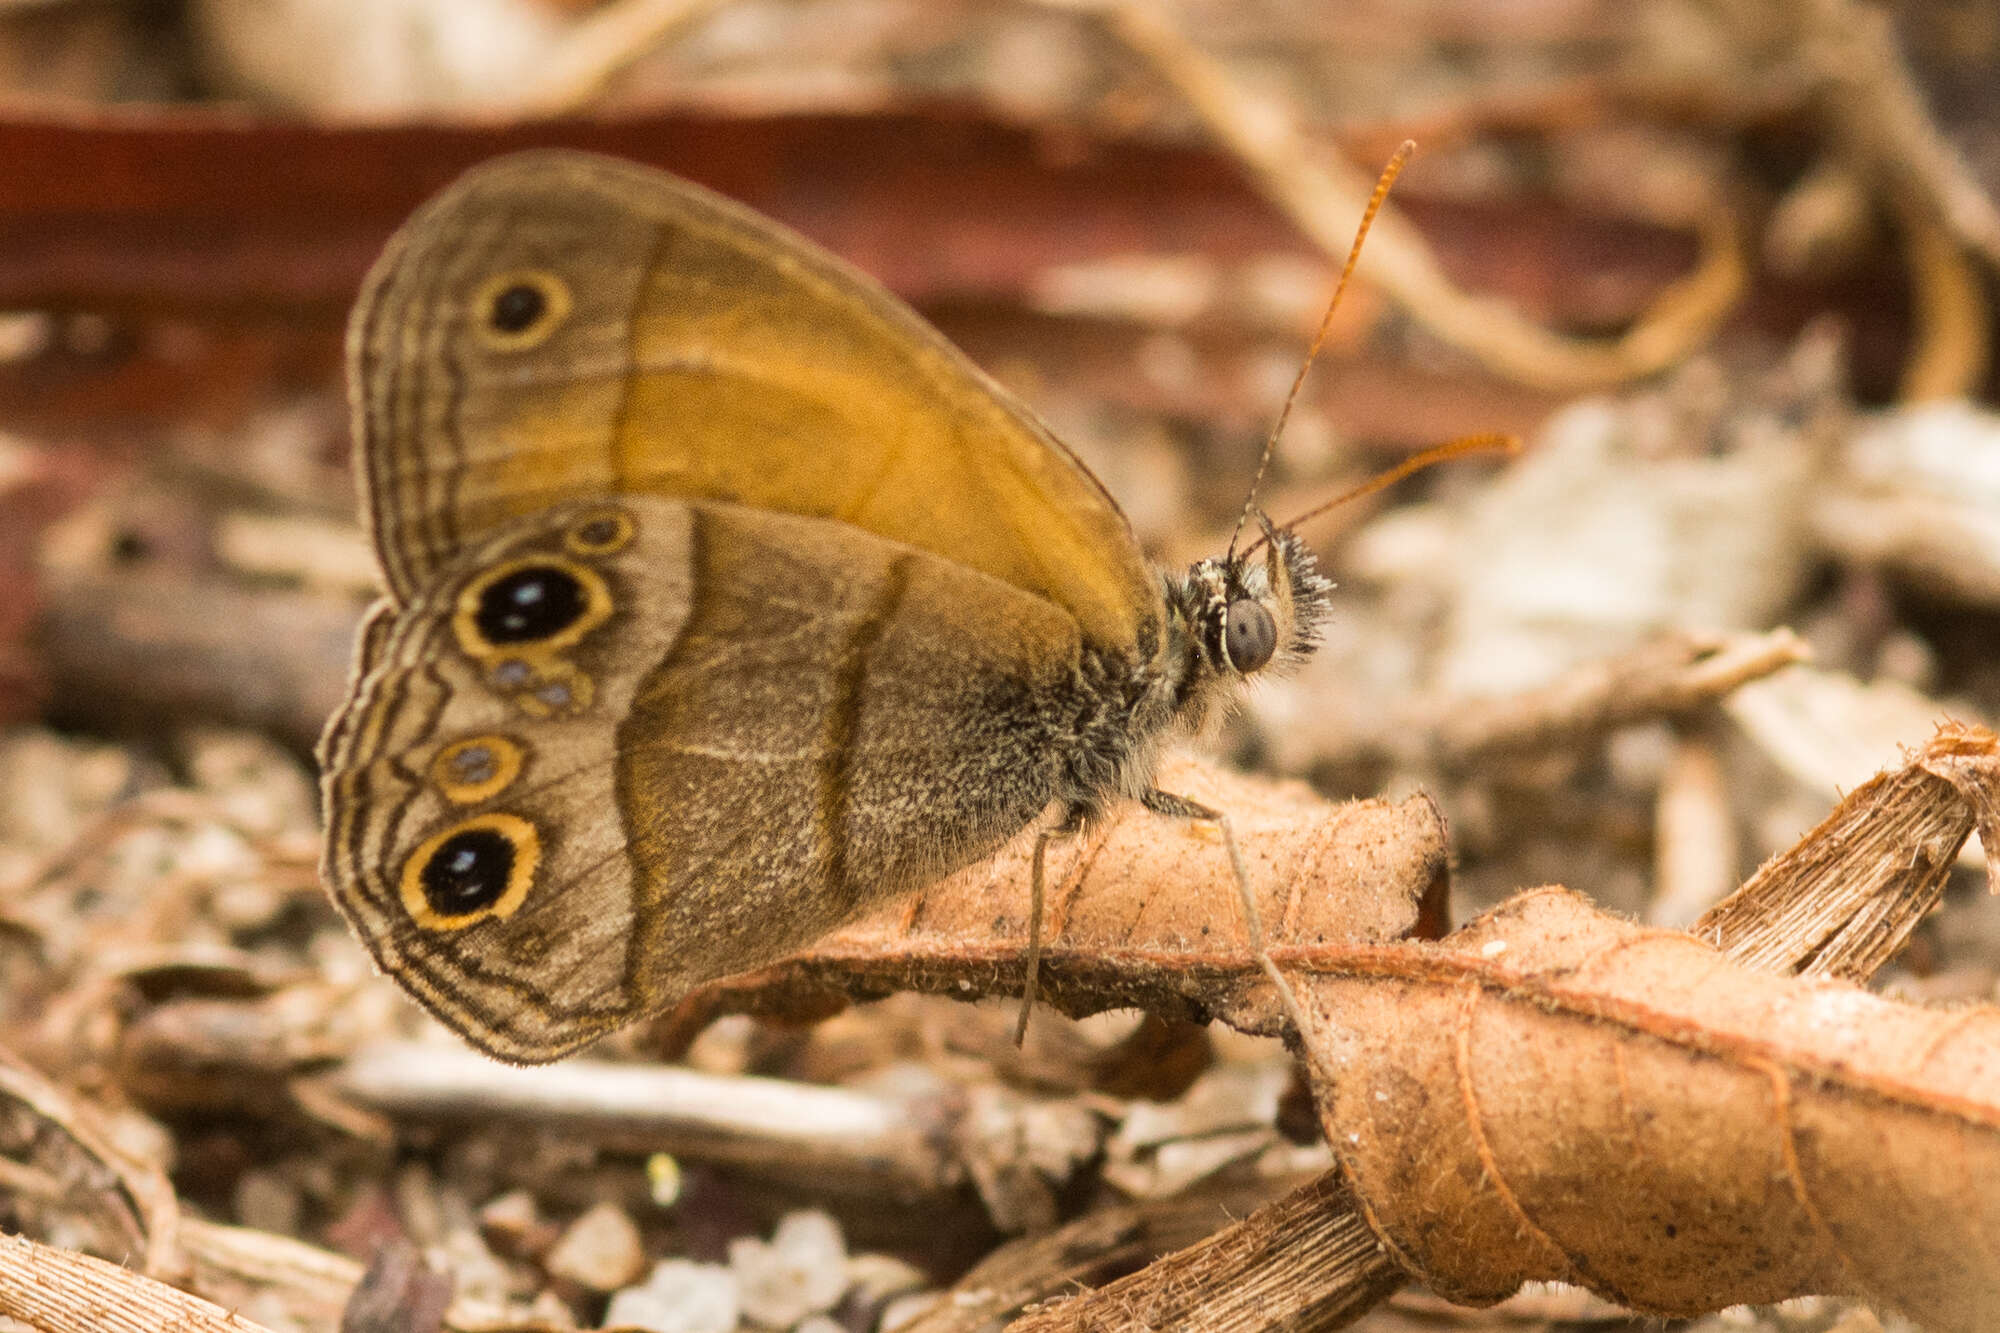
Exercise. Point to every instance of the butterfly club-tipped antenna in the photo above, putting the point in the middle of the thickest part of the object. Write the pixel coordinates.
(1382, 184)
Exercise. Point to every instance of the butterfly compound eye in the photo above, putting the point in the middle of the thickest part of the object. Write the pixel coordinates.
(1249, 635)
(530, 605)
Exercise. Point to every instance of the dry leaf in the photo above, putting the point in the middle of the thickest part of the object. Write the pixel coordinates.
(1556, 1094)
(1142, 912)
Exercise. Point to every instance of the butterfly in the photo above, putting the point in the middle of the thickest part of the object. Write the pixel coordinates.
(724, 599)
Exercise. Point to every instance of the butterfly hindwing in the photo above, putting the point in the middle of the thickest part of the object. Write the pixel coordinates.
(736, 730)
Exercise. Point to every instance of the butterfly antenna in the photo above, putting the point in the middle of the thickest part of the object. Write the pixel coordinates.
(1487, 442)
(1388, 178)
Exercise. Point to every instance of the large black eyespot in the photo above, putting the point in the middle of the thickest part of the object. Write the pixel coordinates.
(517, 307)
(469, 872)
(476, 870)
(1249, 635)
(531, 604)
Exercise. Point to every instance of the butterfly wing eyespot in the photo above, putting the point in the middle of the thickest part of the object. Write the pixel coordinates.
(600, 532)
(519, 309)
(559, 692)
(531, 603)
(476, 768)
(1249, 635)
(532, 607)
(471, 871)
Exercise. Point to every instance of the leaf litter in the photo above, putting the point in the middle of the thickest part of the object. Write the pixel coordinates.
(1592, 664)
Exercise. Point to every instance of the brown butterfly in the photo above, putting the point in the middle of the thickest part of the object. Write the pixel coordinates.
(725, 599)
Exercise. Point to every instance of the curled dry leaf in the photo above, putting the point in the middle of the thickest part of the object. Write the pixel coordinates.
(1142, 911)
(1556, 1094)
(1291, 1261)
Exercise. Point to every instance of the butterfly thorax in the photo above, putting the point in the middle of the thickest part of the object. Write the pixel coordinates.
(1223, 620)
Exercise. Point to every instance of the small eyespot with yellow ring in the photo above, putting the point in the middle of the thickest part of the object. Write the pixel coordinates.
(563, 692)
(476, 769)
(519, 309)
(471, 871)
(599, 532)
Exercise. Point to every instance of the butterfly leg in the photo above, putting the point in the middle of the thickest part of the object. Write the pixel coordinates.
(1180, 807)
(1071, 825)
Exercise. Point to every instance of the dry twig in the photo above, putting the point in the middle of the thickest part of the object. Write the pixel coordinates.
(1553, 1094)
(1323, 201)
(1670, 675)
(838, 1137)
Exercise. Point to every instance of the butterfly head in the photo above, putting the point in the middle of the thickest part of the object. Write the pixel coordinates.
(1252, 611)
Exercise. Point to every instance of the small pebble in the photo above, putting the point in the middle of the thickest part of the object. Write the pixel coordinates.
(801, 1270)
(550, 1311)
(904, 1309)
(601, 1250)
(513, 1224)
(511, 1213)
(680, 1296)
(266, 1201)
(875, 1279)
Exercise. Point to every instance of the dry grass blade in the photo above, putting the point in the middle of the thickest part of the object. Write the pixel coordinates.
(1844, 900)
(601, 46)
(61, 1291)
(1953, 343)
(1307, 1261)
(1853, 48)
(1088, 1250)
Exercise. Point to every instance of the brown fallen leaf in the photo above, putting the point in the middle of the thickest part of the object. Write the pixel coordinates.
(1556, 1094)
(1142, 912)
(1879, 858)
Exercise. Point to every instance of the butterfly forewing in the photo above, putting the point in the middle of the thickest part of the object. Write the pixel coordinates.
(559, 326)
